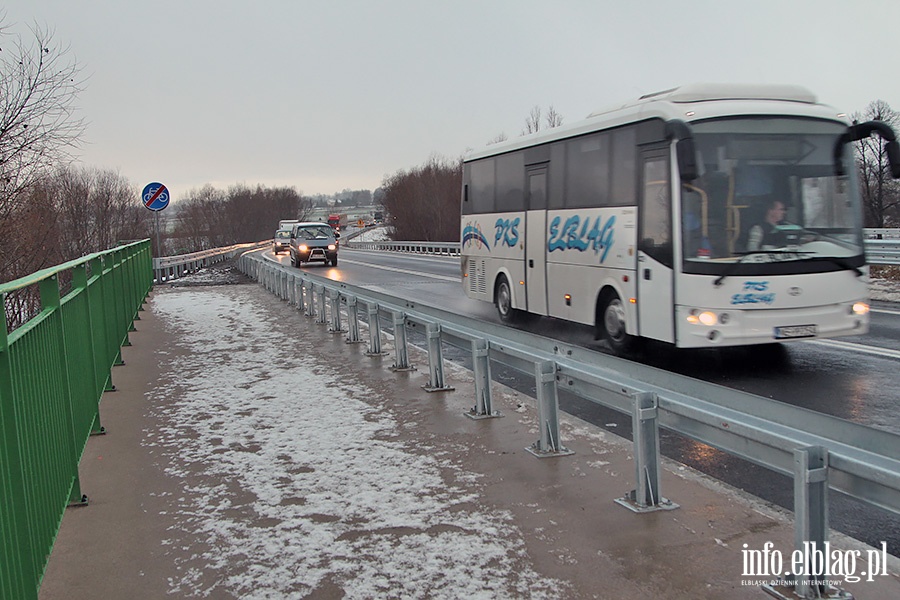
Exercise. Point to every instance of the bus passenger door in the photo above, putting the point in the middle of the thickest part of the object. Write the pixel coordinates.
(655, 301)
(536, 240)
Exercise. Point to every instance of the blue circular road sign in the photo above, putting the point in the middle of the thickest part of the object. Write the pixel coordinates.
(155, 196)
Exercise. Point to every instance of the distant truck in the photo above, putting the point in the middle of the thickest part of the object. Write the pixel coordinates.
(337, 221)
(378, 216)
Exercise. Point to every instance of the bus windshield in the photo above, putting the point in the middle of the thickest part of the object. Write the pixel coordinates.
(768, 194)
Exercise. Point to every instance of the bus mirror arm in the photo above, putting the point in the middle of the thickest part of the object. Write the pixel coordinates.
(863, 130)
(684, 149)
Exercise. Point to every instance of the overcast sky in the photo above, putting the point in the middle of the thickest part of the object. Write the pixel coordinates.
(326, 95)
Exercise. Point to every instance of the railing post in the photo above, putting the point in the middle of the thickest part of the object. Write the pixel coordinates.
(308, 289)
(298, 287)
(645, 431)
(353, 320)
(49, 291)
(374, 331)
(811, 519)
(335, 326)
(401, 354)
(17, 554)
(320, 301)
(435, 360)
(548, 412)
(481, 370)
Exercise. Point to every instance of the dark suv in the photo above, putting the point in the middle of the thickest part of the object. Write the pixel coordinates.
(313, 241)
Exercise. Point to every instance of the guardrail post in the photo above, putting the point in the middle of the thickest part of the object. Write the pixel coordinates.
(435, 360)
(811, 520)
(353, 320)
(298, 287)
(645, 431)
(374, 331)
(548, 412)
(335, 326)
(320, 313)
(401, 355)
(481, 369)
(310, 302)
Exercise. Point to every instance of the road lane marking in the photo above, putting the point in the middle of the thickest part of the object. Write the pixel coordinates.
(873, 350)
(406, 271)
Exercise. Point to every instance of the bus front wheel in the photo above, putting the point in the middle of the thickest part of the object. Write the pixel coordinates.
(503, 300)
(611, 324)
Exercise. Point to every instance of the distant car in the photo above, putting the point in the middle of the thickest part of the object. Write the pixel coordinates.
(282, 242)
(313, 241)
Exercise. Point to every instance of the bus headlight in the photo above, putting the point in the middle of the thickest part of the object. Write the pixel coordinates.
(859, 308)
(706, 317)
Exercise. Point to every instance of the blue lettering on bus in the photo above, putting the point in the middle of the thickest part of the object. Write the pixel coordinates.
(756, 286)
(753, 293)
(507, 232)
(753, 298)
(472, 233)
(591, 235)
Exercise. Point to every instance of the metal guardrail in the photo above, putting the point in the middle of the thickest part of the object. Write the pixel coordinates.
(166, 268)
(882, 247)
(441, 248)
(883, 252)
(871, 233)
(53, 370)
(817, 450)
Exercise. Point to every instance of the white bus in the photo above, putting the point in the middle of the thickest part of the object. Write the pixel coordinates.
(702, 216)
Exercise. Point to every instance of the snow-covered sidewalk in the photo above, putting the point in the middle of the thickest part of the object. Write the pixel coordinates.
(252, 454)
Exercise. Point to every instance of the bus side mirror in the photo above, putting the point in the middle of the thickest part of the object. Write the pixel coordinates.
(685, 151)
(893, 153)
(687, 159)
(860, 131)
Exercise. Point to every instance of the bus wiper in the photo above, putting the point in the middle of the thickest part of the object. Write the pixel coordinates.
(841, 262)
(729, 270)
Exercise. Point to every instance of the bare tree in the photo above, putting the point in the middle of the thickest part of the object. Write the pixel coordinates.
(424, 201)
(38, 88)
(210, 218)
(500, 137)
(533, 121)
(554, 119)
(880, 192)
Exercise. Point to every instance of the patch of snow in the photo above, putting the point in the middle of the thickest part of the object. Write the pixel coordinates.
(885, 290)
(372, 234)
(295, 477)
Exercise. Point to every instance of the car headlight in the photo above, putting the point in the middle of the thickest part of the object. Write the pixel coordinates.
(332, 247)
(303, 248)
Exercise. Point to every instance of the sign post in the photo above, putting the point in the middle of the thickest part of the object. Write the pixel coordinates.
(156, 197)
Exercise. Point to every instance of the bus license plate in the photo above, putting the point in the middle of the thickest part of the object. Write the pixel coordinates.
(795, 331)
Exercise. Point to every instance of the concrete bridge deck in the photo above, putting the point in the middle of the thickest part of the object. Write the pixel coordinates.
(252, 454)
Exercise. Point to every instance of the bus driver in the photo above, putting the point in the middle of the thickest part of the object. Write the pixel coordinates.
(767, 234)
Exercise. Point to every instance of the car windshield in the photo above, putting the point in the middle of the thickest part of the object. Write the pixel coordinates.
(767, 193)
(314, 233)
(283, 234)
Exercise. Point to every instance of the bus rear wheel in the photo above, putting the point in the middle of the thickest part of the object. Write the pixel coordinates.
(611, 325)
(503, 300)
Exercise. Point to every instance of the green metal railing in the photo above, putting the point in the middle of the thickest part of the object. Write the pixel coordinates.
(53, 370)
